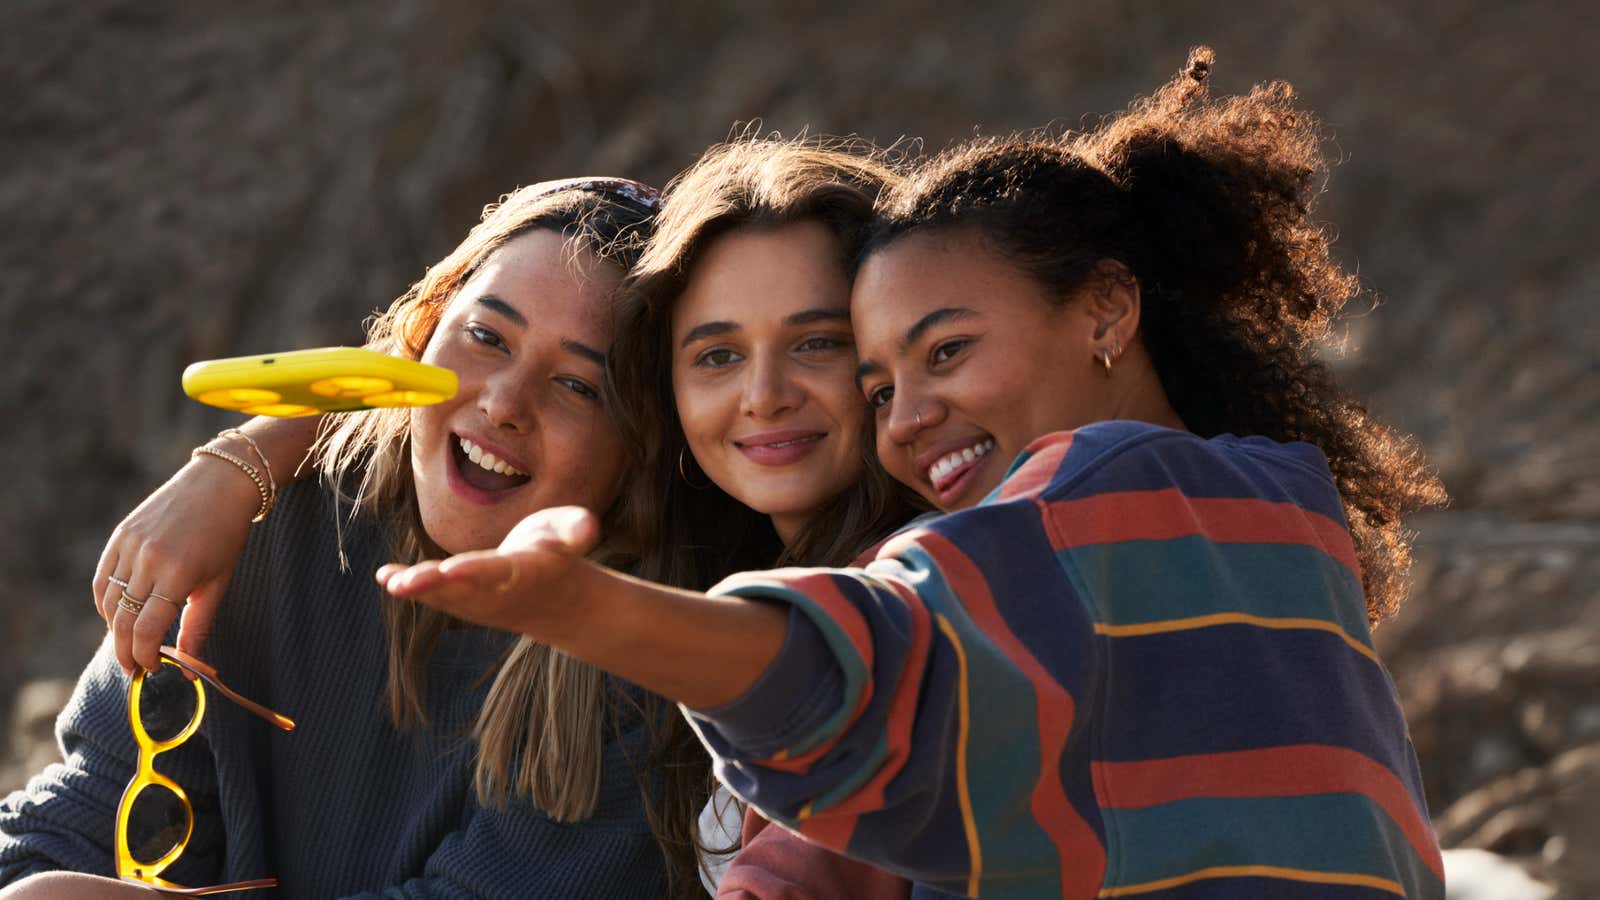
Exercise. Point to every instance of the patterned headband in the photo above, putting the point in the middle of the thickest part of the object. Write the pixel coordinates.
(642, 195)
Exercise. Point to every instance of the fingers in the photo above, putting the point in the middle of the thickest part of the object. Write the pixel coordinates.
(105, 597)
(198, 615)
(572, 529)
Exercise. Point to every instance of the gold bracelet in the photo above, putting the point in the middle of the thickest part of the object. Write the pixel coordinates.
(255, 476)
(256, 448)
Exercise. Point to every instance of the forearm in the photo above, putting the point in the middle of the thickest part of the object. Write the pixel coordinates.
(688, 647)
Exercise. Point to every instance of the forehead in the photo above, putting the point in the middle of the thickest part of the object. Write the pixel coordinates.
(929, 270)
(752, 275)
(540, 276)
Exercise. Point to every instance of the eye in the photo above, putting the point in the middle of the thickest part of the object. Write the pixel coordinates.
(483, 335)
(821, 343)
(717, 358)
(879, 397)
(947, 350)
(579, 386)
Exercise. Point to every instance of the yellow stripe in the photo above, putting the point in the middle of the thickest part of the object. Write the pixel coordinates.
(1372, 881)
(1233, 618)
(967, 818)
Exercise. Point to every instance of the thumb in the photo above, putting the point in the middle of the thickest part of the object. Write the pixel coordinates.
(198, 615)
(570, 529)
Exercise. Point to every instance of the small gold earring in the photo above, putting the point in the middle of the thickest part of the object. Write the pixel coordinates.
(1105, 360)
(685, 475)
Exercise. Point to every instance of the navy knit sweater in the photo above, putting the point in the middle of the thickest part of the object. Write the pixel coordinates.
(345, 805)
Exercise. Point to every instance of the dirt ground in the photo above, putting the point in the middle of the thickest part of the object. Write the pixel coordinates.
(183, 181)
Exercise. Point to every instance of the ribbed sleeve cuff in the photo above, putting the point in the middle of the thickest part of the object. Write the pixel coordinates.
(795, 697)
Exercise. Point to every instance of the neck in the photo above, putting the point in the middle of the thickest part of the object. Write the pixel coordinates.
(788, 526)
(1137, 393)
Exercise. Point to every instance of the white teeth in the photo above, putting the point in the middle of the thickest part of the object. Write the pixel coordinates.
(955, 459)
(487, 460)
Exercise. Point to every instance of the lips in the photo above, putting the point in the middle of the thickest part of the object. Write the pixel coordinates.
(779, 448)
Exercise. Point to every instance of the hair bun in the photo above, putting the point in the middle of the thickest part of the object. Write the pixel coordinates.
(1199, 65)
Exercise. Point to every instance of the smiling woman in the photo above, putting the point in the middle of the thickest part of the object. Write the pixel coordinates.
(554, 795)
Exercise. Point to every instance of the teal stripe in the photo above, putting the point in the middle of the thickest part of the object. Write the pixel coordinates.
(1133, 582)
(1322, 832)
(844, 650)
(1002, 749)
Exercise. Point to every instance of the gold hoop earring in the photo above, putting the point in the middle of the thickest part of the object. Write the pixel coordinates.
(685, 475)
(1105, 360)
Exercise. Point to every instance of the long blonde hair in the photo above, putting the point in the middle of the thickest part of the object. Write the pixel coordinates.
(540, 732)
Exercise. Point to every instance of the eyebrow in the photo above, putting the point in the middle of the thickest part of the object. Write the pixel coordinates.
(819, 314)
(937, 317)
(708, 329)
(584, 350)
(915, 333)
(503, 308)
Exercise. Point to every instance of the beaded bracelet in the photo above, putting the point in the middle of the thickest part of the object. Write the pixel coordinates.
(256, 448)
(268, 493)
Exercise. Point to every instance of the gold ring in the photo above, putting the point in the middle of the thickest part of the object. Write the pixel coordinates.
(129, 603)
(155, 596)
(511, 579)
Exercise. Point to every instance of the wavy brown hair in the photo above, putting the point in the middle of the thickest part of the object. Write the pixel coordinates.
(1208, 203)
(544, 721)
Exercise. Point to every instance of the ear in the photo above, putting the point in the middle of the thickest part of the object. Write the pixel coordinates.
(1111, 298)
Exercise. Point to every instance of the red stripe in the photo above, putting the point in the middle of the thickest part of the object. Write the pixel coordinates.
(1035, 474)
(1167, 513)
(823, 591)
(1078, 849)
(1298, 770)
(901, 716)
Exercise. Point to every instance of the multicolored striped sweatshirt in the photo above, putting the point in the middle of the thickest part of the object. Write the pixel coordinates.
(1140, 668)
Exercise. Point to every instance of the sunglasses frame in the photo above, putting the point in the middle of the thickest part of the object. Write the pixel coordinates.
(198, 673)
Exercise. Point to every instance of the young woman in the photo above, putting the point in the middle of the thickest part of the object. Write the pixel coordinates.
(734, 375)
(374, 791)
(1134, 658)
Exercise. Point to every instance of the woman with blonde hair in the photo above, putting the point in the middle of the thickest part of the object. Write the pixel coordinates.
(431, 758)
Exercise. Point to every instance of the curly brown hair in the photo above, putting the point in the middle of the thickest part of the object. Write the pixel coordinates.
(1208, 204)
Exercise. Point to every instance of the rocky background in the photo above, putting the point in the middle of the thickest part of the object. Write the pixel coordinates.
(185, 180)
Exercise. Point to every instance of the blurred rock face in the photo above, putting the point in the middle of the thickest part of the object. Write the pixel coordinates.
(188, 182)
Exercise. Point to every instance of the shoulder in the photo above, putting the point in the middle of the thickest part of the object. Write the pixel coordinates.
(1123, 457)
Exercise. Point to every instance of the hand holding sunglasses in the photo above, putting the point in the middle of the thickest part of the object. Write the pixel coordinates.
(155, 819)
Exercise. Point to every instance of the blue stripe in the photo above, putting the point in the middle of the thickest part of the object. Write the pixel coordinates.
(1239, 687)
(1134, 582)
(1345, 833)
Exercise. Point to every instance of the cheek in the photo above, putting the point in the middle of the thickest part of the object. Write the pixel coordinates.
(702, 411)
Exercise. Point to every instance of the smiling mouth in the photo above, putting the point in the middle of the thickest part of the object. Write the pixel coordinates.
(950, 467)
(778, 445)
(482, 470)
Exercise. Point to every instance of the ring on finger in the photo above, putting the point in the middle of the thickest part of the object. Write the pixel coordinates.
(117, 581)
(155, 596)
(131, 604)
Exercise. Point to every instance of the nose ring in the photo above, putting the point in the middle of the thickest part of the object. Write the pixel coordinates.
(917, 414)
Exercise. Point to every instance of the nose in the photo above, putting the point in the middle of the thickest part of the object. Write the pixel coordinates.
(910, 411)
(506, 400)
(768, 389)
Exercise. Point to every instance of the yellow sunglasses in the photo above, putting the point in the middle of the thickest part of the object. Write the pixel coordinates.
(155, 819)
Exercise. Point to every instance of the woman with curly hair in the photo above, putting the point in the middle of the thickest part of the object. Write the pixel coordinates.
(1134, 657)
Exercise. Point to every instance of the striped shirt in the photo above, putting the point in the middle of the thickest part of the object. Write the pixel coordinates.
(1140, 668)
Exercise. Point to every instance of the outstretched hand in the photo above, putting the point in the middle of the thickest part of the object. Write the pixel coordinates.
(519, 586)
